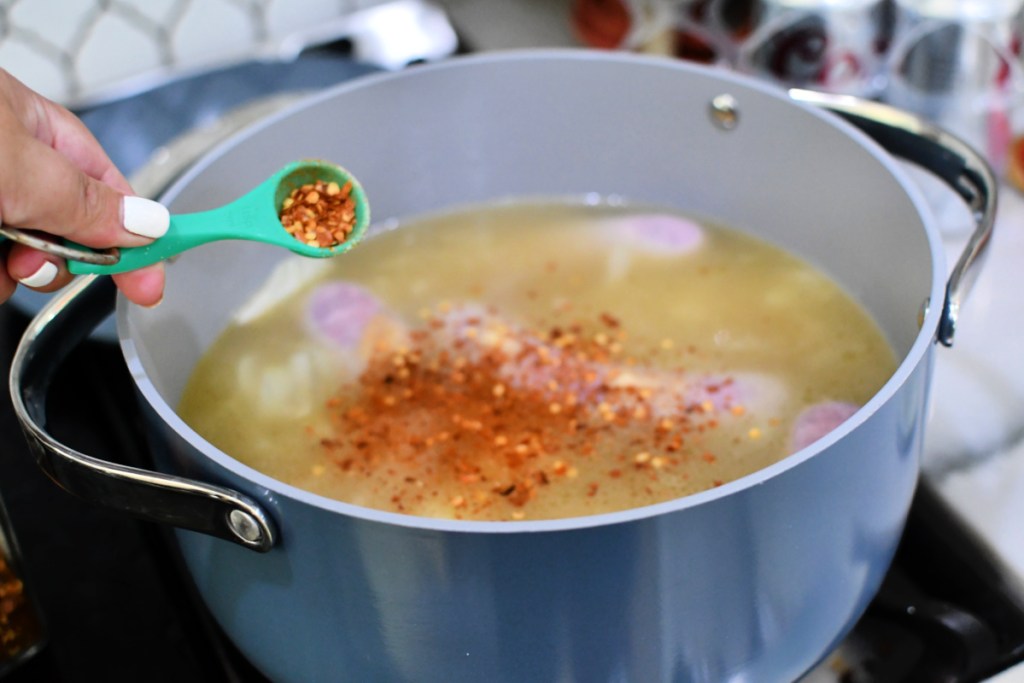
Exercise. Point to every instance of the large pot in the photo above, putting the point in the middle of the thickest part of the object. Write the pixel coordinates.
(754, 580)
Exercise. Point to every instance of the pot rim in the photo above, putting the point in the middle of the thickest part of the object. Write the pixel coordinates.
(263, 486)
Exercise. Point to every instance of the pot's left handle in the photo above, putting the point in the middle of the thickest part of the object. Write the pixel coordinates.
(66, 320)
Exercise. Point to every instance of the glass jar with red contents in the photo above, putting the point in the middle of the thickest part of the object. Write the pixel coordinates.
(21, 627)
(836, 46)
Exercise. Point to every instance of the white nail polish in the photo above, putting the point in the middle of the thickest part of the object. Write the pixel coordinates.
(145, 217)
(46, 274)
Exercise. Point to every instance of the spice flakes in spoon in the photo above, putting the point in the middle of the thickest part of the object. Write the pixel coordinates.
(320, 214)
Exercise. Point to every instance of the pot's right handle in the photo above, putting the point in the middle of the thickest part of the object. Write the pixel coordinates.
(952, 160)
(64, 322)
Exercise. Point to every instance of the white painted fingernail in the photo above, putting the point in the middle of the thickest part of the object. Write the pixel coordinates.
(46, 274)
(145, 217)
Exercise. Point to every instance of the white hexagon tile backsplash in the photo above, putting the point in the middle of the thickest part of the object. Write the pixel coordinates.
(77, 51)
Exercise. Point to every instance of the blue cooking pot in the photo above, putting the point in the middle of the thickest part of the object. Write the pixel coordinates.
(753, 581)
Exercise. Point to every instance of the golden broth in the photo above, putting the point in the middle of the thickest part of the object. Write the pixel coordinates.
(529, 361)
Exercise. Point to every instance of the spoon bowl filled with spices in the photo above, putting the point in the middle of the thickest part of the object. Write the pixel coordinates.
(313, 208)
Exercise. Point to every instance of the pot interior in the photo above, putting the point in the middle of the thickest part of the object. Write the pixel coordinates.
(560, 124)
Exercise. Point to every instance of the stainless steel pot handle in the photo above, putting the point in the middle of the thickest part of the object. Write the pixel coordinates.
(66, 320)
(951, 159)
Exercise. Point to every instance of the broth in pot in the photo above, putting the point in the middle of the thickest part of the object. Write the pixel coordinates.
(535, 360)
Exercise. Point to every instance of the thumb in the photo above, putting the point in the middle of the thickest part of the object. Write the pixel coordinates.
(41, 189)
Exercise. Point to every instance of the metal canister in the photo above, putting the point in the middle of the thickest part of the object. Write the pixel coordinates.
(957, 63)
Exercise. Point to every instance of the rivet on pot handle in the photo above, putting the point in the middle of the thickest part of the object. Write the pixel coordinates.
(65, 321)
(945, 155)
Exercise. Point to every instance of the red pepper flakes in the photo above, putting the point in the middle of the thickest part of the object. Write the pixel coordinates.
(19, 627)
(491, 437)
(320, 214)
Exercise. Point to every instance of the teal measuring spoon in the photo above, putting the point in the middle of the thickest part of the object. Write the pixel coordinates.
(254, 216)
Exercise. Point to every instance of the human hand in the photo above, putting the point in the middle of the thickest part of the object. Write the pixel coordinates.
(56, 178)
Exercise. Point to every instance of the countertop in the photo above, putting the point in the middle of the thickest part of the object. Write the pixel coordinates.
(974, 448)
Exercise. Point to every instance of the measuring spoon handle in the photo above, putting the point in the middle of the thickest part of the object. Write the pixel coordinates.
(241, 219)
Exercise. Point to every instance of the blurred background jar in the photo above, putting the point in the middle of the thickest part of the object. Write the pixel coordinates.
(957, 63)
(21, 627)
(831, 45)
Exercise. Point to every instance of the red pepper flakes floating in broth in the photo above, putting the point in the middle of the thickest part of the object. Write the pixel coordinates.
(504, 415)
